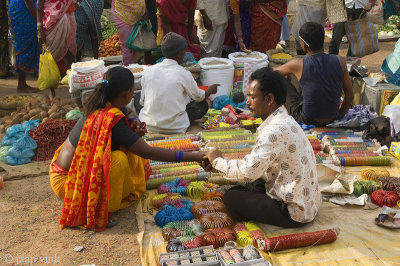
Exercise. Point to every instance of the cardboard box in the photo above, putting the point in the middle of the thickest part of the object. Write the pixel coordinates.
(379, 96)
(395, 149)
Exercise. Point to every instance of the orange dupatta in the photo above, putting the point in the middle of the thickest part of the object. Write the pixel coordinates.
(87, 185)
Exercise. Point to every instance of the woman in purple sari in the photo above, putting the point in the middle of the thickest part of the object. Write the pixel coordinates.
(244, 17)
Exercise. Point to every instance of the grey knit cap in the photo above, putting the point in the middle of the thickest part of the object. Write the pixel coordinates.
(172, 44)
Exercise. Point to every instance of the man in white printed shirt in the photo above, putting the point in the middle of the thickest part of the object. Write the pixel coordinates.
(281, 166)
(170, 96)
(355, 9)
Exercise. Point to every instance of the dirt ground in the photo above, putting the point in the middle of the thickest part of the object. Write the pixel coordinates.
(29, 212)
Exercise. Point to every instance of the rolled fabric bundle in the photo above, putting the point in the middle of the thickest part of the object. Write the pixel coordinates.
(297, 240)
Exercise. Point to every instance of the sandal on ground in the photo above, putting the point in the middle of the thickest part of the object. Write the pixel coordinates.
(111, 221)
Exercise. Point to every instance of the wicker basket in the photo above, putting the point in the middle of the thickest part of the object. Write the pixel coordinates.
(279, 61)
(194, 70)
(336, 11)
(5, 112)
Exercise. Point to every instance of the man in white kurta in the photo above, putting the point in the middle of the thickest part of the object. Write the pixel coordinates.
(166, 90)
(170, 96)
(308, 11)
(212, 26)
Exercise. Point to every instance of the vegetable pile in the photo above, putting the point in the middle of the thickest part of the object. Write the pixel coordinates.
(390, 28)
(108, 27)
(111, 46)
(49, 136)
(37, 107)
(281, 56)
(9, 104)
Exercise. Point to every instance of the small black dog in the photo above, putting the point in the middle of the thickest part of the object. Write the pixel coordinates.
(379, 129)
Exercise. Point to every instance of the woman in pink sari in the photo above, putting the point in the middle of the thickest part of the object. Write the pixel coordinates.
(126, 14)
(57, 30)
(178, 16)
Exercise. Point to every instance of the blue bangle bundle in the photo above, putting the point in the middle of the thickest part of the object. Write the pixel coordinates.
(172, 214)
(178, 156)
(171, 199)
(182, 203)
(178, 185)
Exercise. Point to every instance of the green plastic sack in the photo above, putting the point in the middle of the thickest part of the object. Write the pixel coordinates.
(3, 152)
(73, 115)
(142, 38)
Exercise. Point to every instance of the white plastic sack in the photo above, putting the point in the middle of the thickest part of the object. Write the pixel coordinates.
(86, 75)
(375, 15)
(393, 111)
(81, 81)
(88, 66)
(138, 76)
(137, 66)
(218, 73)
(244, 67)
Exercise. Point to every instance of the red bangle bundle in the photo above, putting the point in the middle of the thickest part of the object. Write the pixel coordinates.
(212, 195)
(207, 206)
(219, 236)
(239, 227)
(216, 220)
(170, 233)
(256, 233)
(381, 197)
(390, 183)
(197, 242)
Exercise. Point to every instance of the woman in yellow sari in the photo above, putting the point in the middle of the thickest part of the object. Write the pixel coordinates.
(100, 168)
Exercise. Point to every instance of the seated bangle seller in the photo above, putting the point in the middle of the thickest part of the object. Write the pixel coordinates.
(322, 78)
(281, 166)
(170, 96)
(102, 166)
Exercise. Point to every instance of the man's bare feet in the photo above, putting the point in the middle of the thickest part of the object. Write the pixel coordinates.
(27, 89)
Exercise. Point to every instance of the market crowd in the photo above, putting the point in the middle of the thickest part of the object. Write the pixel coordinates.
(70, 27)
(284, 189)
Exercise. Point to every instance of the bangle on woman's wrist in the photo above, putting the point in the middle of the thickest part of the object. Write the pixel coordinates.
(178, 156)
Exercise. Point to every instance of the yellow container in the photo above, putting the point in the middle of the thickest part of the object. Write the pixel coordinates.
(395, 149)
